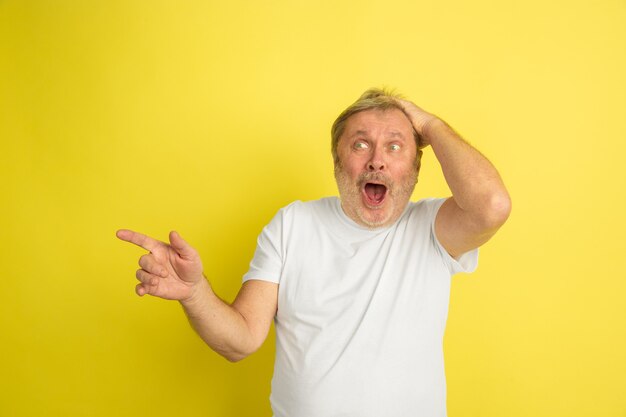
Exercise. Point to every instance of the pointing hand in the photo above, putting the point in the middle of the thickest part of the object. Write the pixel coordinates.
(171, 270)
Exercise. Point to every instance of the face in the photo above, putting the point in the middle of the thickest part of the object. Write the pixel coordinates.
(376, 170)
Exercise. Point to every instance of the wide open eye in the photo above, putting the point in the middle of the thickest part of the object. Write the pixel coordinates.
(360, 145)
(394, 147)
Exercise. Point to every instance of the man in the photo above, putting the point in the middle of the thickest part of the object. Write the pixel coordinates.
(358, 286)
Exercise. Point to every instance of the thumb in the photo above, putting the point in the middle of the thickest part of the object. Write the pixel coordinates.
(181, 247)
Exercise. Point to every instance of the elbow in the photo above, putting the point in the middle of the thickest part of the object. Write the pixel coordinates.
(497, 210)
(234, 357)
(237, 355)
(501, 207)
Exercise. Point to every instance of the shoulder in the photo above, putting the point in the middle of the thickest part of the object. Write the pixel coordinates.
(300, 219)
(424, 210)
(313, 208)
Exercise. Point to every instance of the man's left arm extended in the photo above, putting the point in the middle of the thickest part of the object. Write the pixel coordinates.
(480, 203)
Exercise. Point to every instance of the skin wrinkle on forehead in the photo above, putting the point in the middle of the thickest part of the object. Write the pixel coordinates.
(366, 133)
(391, 134)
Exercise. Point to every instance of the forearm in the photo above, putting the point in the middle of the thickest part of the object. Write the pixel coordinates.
(475, 183)
(220, 325)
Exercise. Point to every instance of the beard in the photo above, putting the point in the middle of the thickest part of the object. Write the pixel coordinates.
(397, 196)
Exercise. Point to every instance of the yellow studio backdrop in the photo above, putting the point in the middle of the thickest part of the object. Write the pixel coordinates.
(207, 117)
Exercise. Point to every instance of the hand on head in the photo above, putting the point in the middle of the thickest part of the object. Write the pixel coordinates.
(420, 119)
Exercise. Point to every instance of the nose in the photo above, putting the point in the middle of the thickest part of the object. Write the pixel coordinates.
(377, 161)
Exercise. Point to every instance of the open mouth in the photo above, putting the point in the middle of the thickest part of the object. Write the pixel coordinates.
(374, 194)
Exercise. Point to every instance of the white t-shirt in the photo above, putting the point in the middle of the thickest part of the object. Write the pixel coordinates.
(361, 313)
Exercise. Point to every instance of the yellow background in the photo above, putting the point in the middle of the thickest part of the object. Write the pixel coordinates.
(206, 117)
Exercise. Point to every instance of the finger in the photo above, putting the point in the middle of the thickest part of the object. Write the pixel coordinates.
(405, 104)
(181, 246)
(146, 278)
(138, 239)
(149, 263)
(140, 290)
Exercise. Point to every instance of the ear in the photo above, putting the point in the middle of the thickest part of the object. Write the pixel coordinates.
(418, 163)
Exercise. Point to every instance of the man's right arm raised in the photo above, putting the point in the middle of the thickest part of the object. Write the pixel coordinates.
(173, 271)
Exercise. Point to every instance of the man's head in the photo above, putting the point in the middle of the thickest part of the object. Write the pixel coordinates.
(377, 159)
(374, 98)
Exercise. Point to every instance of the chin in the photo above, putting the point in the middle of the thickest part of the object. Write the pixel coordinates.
(374, 219)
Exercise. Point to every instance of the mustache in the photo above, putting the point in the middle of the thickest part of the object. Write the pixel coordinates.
(377, 177)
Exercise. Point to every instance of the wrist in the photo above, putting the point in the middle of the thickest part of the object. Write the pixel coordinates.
(432, 126)
(198, 292)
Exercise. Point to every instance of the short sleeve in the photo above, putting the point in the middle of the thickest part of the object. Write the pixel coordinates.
(467, 262)
(267, 263)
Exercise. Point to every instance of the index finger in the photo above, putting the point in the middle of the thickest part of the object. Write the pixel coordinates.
(138, 239)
